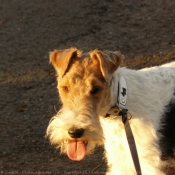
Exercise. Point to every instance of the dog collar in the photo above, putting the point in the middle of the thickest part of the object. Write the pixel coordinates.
(122, 93)
(122, 99)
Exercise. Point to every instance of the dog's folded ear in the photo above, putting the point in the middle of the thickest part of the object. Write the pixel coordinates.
(108, 62)
(61, 59)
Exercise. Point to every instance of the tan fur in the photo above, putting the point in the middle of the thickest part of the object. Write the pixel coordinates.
(79, 74)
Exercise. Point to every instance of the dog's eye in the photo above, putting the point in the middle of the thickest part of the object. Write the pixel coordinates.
(65, 88)
(94, 90)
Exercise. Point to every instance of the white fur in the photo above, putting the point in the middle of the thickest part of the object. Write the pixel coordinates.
(149, 90)
(59, 125)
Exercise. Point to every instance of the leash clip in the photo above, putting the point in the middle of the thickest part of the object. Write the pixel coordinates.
(124, 113)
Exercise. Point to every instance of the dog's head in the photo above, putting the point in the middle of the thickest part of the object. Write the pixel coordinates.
(85, 77)
(84, 88)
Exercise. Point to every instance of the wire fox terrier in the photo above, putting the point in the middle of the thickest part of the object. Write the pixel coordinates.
(88, 84)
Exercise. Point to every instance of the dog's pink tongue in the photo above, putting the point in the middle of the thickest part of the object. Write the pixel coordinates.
(76, 150)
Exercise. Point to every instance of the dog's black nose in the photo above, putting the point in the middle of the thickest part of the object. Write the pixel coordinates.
(75, 132)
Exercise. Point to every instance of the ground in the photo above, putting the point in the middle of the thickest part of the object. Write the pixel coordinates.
(144, 31)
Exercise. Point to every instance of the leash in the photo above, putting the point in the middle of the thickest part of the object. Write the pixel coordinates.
(122, 101)
(131, 141)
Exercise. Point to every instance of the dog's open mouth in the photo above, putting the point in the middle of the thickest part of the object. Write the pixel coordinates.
(76, 150)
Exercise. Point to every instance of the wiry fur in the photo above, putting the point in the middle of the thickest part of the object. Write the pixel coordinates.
(150, 91)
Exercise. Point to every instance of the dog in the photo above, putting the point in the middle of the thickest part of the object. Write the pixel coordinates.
(88, 85)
